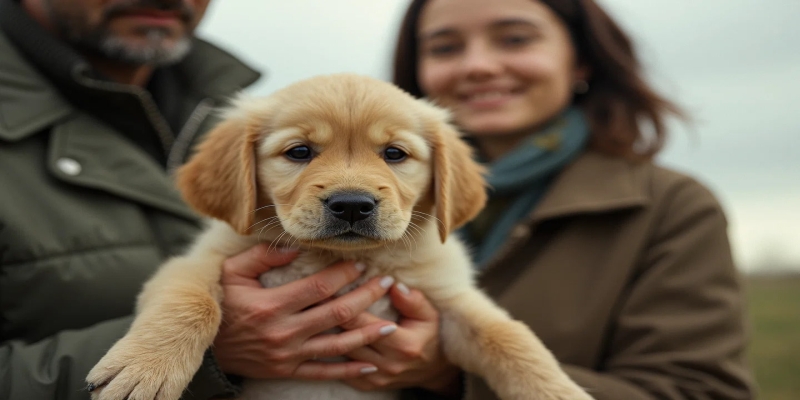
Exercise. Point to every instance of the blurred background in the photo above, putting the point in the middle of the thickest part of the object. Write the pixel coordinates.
(733, 64)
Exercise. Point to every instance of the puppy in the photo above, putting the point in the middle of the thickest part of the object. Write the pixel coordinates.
(352, 168)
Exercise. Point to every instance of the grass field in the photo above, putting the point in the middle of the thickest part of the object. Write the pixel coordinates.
(774, 307)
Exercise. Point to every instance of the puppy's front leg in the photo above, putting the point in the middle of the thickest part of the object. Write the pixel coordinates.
(482, 339)
(178, 314)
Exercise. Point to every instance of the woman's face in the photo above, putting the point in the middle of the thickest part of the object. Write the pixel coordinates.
(501, 66)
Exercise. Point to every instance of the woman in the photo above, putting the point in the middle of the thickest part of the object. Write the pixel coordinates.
(621, 267)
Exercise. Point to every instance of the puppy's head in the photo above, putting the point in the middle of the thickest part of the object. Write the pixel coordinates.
(342, 161)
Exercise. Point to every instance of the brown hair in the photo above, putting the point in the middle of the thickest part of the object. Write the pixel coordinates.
(619, 103)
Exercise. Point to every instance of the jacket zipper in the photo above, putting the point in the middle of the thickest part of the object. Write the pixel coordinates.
(169, 142)
(180, 147)
(163, 130)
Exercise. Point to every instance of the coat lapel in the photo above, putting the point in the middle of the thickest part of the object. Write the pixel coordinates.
(594, 183)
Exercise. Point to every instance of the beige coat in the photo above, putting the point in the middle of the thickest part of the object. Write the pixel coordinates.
(625, 272)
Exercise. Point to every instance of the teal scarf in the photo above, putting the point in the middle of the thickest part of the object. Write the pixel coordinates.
(519, 179)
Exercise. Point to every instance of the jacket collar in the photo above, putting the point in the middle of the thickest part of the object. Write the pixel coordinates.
(594, 183)
(27, 103)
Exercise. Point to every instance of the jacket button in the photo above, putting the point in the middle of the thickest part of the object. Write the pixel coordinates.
(68, 166)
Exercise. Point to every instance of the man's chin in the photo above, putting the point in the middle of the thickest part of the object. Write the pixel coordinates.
(153, 49)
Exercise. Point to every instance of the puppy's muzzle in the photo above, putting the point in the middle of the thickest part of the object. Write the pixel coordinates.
(350, 207)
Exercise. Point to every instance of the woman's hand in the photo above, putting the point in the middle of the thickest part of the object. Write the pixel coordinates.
(275, 333)
(410, 357)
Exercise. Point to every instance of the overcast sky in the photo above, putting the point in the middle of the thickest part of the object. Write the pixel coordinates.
(734, 64)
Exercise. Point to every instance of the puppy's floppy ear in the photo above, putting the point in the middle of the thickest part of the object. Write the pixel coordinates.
(459, 186)
(220, 179)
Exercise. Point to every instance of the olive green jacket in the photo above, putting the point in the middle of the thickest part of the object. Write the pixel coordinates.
(86, 215)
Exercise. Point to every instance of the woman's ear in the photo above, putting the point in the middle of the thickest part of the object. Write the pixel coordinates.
(583, 72)
(581, 77)
(220, 179)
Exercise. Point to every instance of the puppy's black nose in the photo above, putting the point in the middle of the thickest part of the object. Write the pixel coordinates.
(350, 207)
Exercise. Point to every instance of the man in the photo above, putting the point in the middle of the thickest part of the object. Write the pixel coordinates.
(99, 100)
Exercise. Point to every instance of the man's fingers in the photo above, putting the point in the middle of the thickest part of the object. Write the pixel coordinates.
(315, 370)
(244, 268)
(302, 293)
(411, 303)
(344, 308)
(334, 345)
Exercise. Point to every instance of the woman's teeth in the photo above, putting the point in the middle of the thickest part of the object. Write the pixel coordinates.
(487, 95)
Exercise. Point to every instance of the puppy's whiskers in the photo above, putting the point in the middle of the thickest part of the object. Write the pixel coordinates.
(414, 230)
(277, 240)
(268, 206)
(296, 239)
(270, 225)
(417, 229)
(263, 220)
(425, 217)
(419, 215)
(406, 240)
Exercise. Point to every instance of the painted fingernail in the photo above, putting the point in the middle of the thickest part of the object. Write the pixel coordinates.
(387, 329)
(91, 387)
(369, 370)
(403, 288)
(360, 266)
(386, 282)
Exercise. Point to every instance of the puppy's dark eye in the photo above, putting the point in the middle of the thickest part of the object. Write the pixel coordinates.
(393, 154)
(299, 153)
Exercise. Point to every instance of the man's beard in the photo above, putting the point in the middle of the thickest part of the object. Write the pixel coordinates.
(153, 47)
(155, 51)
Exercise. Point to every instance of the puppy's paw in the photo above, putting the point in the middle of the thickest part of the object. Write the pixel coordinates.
(555, 386)
(136, 369)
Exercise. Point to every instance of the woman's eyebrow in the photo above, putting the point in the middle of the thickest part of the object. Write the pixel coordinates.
(437, 33)
(507, 22)
(501, 23)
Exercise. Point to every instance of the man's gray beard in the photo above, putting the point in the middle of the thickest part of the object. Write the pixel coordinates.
(154, 52)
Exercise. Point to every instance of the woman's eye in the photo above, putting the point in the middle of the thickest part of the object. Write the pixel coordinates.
(441, 47)
(442, 50)
(299, 153)
(515, 40)
(393, 154)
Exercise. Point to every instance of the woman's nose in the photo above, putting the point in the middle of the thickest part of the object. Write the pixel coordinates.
(478, 61)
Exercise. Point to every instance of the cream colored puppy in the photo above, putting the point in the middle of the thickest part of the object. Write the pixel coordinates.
(347, 167)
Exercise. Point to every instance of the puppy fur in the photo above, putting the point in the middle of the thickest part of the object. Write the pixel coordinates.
(243, 179)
